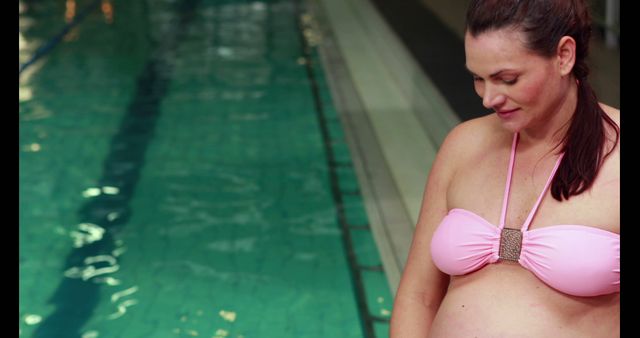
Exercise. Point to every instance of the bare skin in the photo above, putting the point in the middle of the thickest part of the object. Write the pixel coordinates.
(470, 171)
(513, 300)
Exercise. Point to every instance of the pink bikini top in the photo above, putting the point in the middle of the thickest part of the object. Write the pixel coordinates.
(578, 260)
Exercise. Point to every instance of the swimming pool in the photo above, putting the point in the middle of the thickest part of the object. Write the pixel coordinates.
(183, 172)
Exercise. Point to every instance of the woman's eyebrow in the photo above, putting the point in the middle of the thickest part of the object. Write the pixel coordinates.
(492, 75)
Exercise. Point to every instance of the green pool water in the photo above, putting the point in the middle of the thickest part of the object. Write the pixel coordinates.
(184, 173)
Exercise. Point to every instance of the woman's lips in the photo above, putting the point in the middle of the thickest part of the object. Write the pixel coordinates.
(506, 113)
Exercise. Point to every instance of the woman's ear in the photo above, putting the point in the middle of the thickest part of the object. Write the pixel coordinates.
(566, 54)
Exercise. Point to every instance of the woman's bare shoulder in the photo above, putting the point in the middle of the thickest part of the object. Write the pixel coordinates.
(473, 136)
(613, 113)
(465, 146)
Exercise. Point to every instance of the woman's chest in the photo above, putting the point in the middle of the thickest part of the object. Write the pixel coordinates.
(484, 188)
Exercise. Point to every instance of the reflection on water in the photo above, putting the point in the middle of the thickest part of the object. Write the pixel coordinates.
(210, 176)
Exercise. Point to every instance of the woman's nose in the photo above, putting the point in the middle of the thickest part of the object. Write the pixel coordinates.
(492, 98)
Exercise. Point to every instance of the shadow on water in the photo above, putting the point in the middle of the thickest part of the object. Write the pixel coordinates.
(75, 299)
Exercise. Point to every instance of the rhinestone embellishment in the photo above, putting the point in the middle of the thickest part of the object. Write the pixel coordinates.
(510, 244)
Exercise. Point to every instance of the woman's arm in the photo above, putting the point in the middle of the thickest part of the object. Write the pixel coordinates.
(422, 286)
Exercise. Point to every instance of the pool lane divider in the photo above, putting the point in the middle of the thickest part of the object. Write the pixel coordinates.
(51, 43)
(76, 299)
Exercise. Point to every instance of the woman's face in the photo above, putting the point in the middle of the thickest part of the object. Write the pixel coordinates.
(523, 88)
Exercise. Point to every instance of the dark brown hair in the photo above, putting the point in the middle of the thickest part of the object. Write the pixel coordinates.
(544, 23)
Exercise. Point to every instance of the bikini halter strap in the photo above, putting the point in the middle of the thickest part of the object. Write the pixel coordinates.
(505, 200)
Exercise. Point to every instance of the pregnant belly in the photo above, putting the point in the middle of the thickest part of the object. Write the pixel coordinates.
(505, 300)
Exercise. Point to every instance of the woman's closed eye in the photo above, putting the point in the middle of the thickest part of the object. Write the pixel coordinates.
(508, 81)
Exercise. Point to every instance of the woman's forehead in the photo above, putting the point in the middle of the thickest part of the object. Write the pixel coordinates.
(492, 43)
(495, 49)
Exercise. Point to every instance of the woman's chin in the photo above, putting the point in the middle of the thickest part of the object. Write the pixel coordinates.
(511, 126)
